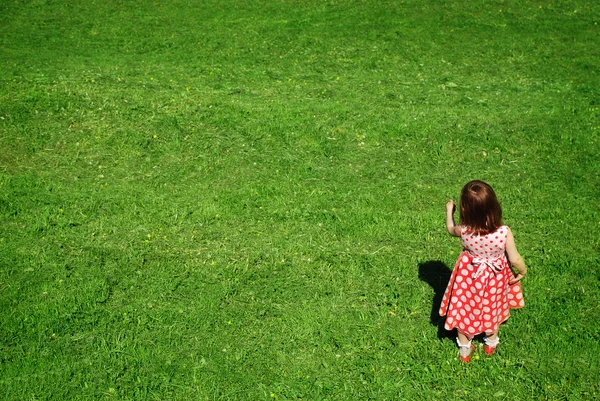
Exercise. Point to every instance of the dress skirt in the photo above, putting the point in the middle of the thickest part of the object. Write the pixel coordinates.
(478, 298)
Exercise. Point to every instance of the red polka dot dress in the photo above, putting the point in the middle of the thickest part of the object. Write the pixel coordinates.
(478, 297)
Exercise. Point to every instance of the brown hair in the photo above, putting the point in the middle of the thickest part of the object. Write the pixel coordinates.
(480, 210)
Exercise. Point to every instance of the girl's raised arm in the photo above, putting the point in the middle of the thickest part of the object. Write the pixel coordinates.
(452, 228)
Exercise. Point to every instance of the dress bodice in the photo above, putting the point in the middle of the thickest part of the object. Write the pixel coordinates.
(488, 247)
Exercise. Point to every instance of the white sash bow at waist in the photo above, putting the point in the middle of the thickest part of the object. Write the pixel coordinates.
(494, 266)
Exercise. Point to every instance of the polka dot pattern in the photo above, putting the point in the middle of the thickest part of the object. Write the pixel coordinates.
(479, 300)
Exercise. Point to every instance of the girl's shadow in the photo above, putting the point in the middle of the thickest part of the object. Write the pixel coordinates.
(437, 275)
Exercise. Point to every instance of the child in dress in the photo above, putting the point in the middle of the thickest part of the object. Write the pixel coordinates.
(483, 287)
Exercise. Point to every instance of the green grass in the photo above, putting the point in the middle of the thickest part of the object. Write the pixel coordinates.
(244, 200)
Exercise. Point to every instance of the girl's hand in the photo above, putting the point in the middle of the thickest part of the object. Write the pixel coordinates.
(516, 279)
(450, 207)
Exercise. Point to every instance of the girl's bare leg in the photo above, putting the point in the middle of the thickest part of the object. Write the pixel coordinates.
(463, 339)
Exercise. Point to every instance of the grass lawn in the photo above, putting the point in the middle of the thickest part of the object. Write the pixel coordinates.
(244, 200)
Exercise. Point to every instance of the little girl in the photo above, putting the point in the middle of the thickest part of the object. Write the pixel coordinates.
(483, 287)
